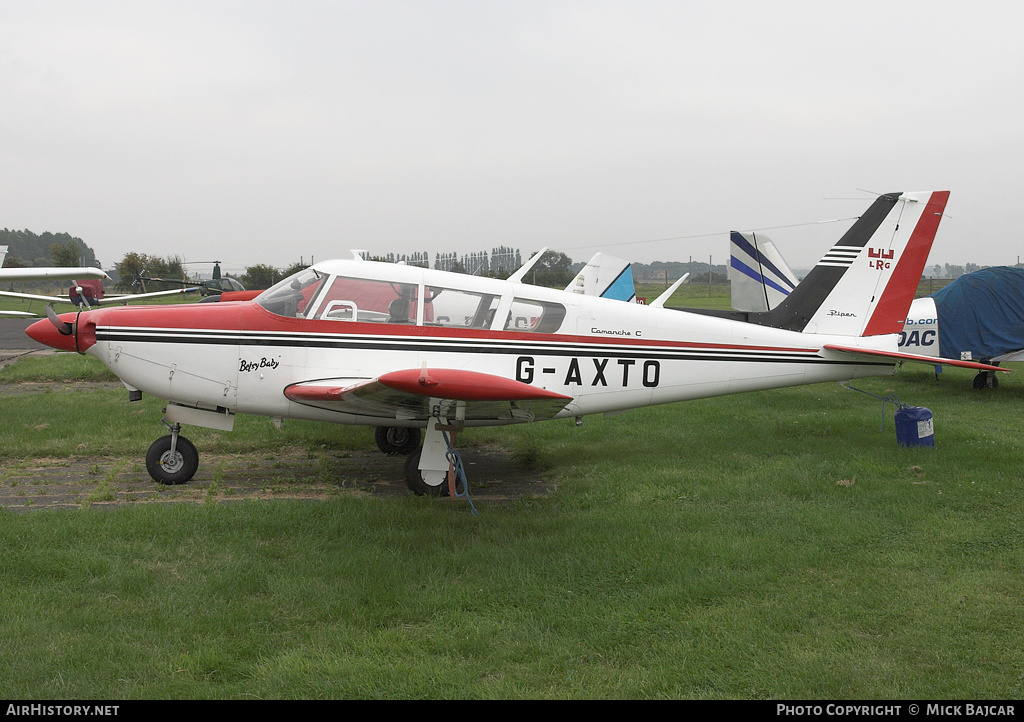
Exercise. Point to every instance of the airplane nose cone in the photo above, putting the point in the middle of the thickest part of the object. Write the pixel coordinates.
(46, 333)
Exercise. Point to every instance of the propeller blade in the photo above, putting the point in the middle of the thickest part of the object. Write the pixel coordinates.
(64, 329)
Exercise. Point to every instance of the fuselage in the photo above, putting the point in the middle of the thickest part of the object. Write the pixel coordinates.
(343, 322)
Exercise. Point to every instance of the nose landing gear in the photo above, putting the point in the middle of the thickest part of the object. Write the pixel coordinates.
(172, 459)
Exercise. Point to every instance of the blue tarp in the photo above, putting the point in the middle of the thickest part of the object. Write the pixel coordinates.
(982, 312)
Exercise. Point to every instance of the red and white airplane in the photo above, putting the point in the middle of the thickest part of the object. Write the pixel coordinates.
(403, 348)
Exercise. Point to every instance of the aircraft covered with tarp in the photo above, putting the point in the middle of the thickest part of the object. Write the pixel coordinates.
(981, 315)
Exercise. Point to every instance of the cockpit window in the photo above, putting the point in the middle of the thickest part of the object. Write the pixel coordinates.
(534, 316)
(368, 301)
(454, 307)
(292, 296)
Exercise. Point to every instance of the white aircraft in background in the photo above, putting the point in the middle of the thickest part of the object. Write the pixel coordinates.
(760, 280)
(360, 342)
(982, 314)
(82, 292)
(41, 274)
(607, 276)
(90, 294)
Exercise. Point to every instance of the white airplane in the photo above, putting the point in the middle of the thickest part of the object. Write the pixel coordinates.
(980, 316)
(360, 342)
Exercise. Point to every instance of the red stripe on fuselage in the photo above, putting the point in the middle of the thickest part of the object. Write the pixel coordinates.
(249, 316)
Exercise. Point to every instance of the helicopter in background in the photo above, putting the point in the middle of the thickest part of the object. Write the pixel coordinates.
(210, 289)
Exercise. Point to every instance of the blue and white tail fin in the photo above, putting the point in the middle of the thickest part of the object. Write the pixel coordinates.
(758, 276)
(605, 276)
(866, 282)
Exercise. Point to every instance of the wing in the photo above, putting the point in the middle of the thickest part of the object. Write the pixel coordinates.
(874, 354)
(108, 300)
(46, 273)
(35, 297)
(105, 301)
(1012, 356)
(407, 395)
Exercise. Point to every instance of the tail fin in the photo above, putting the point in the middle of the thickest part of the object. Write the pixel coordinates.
(864, 285)
(758, 276)
(605, 276)
(3, 254)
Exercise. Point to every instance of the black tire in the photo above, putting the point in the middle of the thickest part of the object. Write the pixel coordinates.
(414, 480)
(166, 469)
(397, 439)
(986, 380)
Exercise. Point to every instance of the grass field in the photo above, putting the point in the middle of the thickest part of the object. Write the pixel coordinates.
(759, 546)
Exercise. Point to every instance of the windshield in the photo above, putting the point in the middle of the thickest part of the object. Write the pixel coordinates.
(291, 296)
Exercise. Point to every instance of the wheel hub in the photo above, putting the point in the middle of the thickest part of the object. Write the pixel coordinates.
(171, 463)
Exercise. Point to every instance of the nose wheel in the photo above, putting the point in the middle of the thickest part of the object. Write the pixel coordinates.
(172, 459)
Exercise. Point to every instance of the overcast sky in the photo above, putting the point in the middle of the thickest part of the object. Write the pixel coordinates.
(268, 132)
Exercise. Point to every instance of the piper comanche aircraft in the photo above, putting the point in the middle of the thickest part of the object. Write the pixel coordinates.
(404, 348)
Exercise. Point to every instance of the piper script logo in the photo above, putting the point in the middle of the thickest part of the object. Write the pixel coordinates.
(880, 258)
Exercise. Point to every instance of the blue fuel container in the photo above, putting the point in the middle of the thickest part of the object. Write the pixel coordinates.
(914, 426)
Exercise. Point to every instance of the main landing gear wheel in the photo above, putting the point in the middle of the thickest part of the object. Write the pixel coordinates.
(172, 468)
(986, 380)
(414, 479)
(397, 439)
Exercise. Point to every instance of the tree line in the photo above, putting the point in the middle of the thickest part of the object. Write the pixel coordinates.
(26, 249)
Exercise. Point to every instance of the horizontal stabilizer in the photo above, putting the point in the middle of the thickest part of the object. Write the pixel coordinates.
(869, 353)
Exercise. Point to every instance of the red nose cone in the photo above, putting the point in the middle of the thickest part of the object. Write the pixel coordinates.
(46, 333)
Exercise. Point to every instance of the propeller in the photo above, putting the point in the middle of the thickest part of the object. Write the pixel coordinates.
(81, 295)
(64, 329)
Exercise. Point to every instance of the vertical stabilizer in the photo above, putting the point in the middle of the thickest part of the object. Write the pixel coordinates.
(758, 276)
(605, 276)
(865, 283)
